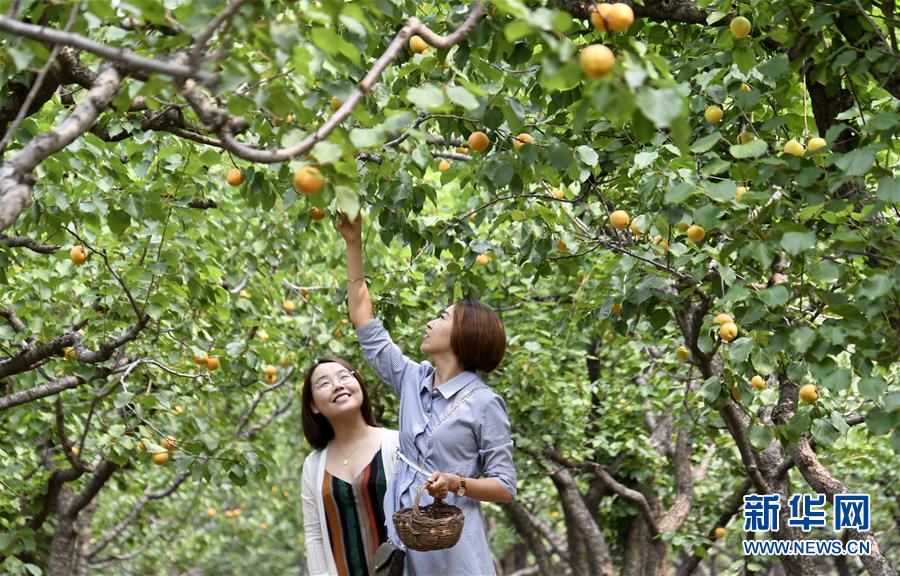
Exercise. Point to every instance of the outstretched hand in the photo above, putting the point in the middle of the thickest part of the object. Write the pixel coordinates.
(351, 231)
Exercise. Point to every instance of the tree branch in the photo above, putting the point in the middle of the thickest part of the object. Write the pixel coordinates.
(16, 179)
(127, 57)
(219, 121)
(26, 242)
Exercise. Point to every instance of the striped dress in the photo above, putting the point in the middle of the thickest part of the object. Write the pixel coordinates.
(354, 512)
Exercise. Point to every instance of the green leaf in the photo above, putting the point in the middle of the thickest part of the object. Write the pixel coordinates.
(425, 97)
(856, 162)
(872, 387)
(588, 156)
(774, 67)
(798, 242)
(461, 96)
(366, 137)
(761, 361)
(879, 421)
(774, 297)
(760, 436)
(347, 201)
(660, 106)
(752, 149)
(706, 143)
(802, 337)
(326, 152)
(824, 432)
(889, 189)
(678, 193)
(722, 191)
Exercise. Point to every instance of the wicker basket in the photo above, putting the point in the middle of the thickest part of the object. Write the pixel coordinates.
(433, 527)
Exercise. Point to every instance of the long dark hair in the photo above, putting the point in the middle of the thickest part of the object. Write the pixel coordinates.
(317, 428)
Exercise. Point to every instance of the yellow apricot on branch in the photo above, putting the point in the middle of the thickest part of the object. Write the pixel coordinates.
(596, 60)
(758, 382)
(816, 143)
(728, 331)
(444, 166)
(619, 219)
(793, 148)
(740, 27)
(696, 233)
(713, 114)
(417, 45)
(78, 255)
(809, 393)
(234, 177)
(682, 354)
(479, 141)
(308, 180)
(522, 139)
(723, 318)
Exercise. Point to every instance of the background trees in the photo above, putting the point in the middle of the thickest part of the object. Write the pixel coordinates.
(121, 124)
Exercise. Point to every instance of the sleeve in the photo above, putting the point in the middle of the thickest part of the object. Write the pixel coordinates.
(495, 445)
(316, 559)
(385, 357)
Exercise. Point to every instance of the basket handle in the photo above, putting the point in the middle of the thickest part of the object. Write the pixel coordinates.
(415, 508)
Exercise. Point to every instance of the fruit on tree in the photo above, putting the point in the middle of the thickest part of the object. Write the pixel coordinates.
(696, 233)
(483, 259)
(596, 60)
(522, 139)
(816, 143)
(417, 45)
(478, 141)
(682, 354)
(740, 27)
(78, 255)
(160, 458)
(723, 318)
(728, 331)
(234, 177)
(619, 219)
(212, 364)
(793, 148)
(308, 180)
(713, 114)
(809, 393)
(444, 166)
(758, 382)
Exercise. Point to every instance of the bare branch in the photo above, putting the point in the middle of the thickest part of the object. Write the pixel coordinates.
(41, 391)
(127, 57)
(136, 510)
(246, 418)
(226, 126)
(26, 242)
(16, 179)
(206, 34)
(38, 81)
(10, 315)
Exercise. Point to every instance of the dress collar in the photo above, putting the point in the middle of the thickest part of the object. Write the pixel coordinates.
(451, 386)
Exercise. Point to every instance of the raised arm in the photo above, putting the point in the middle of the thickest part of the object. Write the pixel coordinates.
(357, 289)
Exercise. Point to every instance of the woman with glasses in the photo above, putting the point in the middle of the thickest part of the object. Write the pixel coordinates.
(454, 430)
(347, 476)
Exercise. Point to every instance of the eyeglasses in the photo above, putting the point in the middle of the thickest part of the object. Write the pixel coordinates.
(343, 378)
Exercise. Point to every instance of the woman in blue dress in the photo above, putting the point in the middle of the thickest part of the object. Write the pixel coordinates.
(454, 430)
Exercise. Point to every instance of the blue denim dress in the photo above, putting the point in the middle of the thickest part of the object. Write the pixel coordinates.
(473, 441)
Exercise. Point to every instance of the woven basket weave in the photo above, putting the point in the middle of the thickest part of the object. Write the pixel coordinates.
(433, 527)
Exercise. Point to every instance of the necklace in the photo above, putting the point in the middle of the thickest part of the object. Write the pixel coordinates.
(347, 456)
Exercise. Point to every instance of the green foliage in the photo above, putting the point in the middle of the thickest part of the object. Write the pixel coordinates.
(804, 262)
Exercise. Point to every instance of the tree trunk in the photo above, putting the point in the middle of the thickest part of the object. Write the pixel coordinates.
(62, 549)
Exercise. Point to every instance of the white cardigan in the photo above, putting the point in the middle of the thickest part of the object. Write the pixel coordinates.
(320, 560)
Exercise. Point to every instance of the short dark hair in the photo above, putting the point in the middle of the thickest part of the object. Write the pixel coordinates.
(477, 338)
(317, 428)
